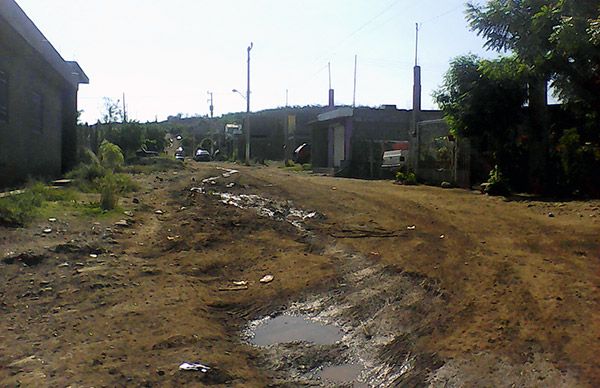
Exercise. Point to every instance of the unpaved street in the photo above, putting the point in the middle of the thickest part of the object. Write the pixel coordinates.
(423, 286)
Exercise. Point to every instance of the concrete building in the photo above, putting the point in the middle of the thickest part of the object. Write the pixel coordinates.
(38, 101)
(350, 141)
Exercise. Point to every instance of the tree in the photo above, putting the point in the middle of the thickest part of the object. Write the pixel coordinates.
(111, 156)
(483, 100)
(112, 111)
(128, 137)
(559, 40)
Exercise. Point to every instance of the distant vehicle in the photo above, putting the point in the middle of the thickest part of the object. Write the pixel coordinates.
(232, 130)
(178, 137)
(143, 152)
(302, 154)
(394, 161)
(180, 154)
(202, 155)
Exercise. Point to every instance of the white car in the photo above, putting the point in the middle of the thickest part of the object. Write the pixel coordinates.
(394, 160)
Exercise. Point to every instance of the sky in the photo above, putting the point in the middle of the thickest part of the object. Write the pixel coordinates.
(166, 55)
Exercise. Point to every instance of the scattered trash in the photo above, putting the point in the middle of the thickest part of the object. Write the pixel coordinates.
(266, 279)
(93, 255)
(240, 283)
(446, 185)
(194, 367)
(128, 213)
(551, 214)
(182, 208)
(159, 212)
(47, 230)
(63, 265)
(442, 236)
(212, 180)
(197, 190)
(233, 288)
(375, 254)
(411, 227)
(334, 188)
(122, 223)
(52, 219)
(230, 185)
(173, 238)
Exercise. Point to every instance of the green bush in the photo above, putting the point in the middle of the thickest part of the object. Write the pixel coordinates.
(109, 192)
(18, 209)
(86, 176)
(406, 178)
(497, 184)
(111, 155)
(124, 183)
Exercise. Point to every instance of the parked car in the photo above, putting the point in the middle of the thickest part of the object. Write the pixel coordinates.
(394, 161)
(143, 152)
(302, 154)
(180, 154)
(202, 155)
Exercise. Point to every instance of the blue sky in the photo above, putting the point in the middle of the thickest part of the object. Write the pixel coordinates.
(166, 54)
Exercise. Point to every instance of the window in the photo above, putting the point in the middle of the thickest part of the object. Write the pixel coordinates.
(3, 96)
(37, 112)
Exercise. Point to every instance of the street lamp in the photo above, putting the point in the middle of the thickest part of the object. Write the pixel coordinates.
(238, 92)
(247, 98)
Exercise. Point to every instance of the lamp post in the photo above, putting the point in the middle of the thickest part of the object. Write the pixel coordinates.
(248, 109)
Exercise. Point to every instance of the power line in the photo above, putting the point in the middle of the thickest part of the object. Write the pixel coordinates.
(442, 14)
(364, 25)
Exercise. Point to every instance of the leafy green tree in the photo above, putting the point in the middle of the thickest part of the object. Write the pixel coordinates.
(559, 40)
(128, 137)
(483, 100)
(112, 112)
(111, 156)
(154, 138)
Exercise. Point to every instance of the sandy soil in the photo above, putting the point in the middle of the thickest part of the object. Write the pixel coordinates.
(431, 287)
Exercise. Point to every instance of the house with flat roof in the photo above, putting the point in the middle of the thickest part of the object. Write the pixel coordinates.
(38, 101)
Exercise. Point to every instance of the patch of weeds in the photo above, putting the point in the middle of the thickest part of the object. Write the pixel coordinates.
(152, 165)
(298, 167)
(497, 184)
(85, 176)
(406, 178)
(95, 211)
(19, 209)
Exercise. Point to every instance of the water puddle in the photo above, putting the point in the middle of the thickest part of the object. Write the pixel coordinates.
(343, 374)
(281, 211)
(288, 328)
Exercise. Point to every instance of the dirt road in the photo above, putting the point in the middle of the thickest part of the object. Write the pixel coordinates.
(424, 286)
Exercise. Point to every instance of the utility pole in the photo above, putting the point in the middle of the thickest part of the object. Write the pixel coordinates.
(248, 109)
(211, 106)
(417, 46)
(124, 109)
(286, 98)
(354, 93)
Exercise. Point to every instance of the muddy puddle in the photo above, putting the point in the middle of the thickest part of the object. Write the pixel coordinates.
(348, 375)
(287, 328)
(264, 207)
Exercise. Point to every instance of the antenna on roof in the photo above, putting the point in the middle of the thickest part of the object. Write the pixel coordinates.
(329, 68)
